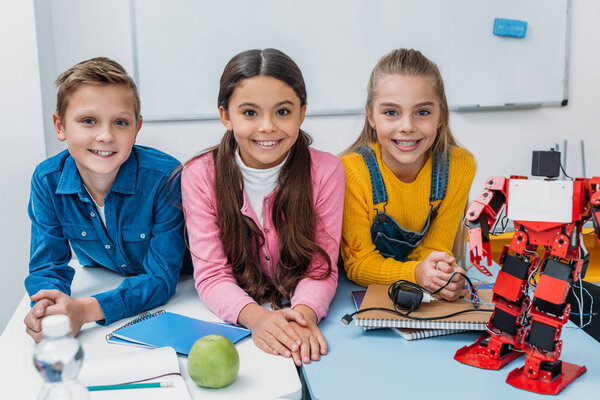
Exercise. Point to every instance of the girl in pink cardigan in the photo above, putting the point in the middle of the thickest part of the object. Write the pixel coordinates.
(264, 210)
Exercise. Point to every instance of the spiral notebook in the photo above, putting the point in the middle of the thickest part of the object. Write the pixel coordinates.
(405, 333)
(164, 328)
(377, 296)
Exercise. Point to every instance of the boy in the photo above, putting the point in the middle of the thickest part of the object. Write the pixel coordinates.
(109, 200)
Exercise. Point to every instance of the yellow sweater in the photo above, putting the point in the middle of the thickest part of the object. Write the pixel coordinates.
(408, 204)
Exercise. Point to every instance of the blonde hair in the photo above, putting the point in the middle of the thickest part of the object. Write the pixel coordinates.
(95, 71)
(408, 62)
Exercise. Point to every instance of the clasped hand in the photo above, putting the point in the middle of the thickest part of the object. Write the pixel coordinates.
(288, 332)
(51, 302)
(436, 270)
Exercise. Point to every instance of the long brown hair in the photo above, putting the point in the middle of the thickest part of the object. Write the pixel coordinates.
(293, 213)
(408, 62)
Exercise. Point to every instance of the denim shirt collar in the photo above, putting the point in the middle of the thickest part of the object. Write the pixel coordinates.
(70, 181)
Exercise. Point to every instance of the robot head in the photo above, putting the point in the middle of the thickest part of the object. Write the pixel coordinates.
(545, 163)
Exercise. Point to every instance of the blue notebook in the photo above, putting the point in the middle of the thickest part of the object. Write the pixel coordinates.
(163, 328)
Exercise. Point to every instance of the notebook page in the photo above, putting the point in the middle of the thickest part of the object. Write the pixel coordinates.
(134, 366)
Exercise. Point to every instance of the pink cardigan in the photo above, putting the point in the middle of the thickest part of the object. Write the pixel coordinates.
(214, 279)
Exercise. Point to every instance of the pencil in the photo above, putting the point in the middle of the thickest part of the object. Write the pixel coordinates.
(130, 386)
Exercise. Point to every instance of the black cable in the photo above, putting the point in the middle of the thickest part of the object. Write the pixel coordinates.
(563, 171)
(499, 220)
(346, 321)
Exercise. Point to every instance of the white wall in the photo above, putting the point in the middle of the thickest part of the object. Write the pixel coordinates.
(22, 145)
(74, 30)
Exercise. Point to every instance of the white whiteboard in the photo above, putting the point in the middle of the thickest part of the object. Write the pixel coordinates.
(182, 46)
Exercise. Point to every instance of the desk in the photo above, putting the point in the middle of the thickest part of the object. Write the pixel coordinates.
(261, 376)
(380, 364)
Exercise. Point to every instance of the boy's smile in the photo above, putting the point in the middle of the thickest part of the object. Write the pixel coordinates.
(100, 129)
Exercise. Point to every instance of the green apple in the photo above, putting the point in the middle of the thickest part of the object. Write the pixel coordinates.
(213, 361)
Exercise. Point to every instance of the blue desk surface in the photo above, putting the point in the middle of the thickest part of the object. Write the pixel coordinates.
(376, 364)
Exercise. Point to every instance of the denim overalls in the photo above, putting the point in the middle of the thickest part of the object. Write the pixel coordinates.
(388, 236)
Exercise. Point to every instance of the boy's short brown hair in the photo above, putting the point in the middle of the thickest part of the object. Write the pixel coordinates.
(95, 71)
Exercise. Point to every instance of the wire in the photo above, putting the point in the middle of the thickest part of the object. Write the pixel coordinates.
(580, 300)
(563, 171)
(479, 300)
(581, 314)
(502, 220)
(417, 318)
(498, 332)
(531, 279)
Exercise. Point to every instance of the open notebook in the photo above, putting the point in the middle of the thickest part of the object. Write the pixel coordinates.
(136, 366)
(170, 329)
(406, 333)
(377, 296)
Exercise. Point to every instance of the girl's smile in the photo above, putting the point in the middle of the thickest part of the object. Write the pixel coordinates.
(407, 146)
(265, 116)
(267, 144)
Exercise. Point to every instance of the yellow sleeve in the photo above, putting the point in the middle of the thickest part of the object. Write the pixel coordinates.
(362, 261)
(442, 231)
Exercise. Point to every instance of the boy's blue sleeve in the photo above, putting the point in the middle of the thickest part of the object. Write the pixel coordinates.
(162, 263)
(50, 252)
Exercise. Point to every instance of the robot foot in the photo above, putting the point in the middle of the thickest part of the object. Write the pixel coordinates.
(480, 355)
(552, 377)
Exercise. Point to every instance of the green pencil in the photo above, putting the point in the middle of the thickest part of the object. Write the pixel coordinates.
(130, 386)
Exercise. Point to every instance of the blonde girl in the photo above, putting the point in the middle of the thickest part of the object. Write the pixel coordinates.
(407, 181)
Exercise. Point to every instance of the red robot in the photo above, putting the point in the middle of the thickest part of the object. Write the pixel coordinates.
(545, 212)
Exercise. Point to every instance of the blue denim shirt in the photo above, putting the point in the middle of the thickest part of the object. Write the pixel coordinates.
(143, 237)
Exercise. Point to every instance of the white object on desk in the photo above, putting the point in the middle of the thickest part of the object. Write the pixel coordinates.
(134, 366)
(261, 375)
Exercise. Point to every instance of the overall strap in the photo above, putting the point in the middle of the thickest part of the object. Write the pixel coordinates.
(440, 169)
(377, 185)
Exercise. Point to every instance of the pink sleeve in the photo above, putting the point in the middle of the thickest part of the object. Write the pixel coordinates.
(213, 276)
(328, 191)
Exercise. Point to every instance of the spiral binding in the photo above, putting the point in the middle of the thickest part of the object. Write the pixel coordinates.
(142, 317)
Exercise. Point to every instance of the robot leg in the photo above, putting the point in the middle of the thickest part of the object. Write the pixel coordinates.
(543, 372)
(505, 338)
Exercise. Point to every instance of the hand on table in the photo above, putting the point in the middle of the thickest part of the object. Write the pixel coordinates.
(313, 341)
(49, 302)
(272, 330)
(33, 319)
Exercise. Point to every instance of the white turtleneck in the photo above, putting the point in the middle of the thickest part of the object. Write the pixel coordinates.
(258, 183)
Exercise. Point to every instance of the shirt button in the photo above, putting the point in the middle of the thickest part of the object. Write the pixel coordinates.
(143, 235)
(267, 258)
(266, 230)
(92, 214)
(107, 247)
(266, 200)
(83, 233)
(123, 265)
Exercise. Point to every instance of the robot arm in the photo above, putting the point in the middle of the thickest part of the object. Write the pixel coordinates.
(482, 214)
(594, 192)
